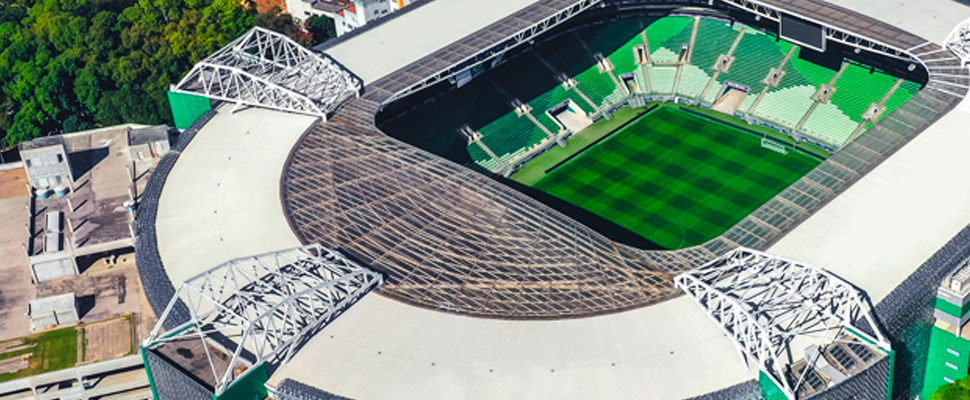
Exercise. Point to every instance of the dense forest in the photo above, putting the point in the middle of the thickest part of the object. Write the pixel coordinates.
(70, 65)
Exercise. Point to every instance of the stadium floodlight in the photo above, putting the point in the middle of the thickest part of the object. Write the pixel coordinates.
(521, 108)
(958, 42)
(257, 310)
(773, 308)
(266, 69)
(603, 64)
(470, 134)
(566, 81)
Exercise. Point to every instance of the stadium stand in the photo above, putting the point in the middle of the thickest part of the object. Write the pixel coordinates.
(598, 86)
(662, 78)
(660, 33)
(510, 133)
(692, 81)
(831, 123)
(785, 106)
(714, 37)
(623, 57)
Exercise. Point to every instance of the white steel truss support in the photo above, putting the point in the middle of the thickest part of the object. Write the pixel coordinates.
(958, 42)
(485, 55)
(767, 305)
(265, 305)
(266, 69)
(831, 33)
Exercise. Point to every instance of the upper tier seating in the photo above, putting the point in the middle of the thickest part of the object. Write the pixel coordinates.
(756, 54)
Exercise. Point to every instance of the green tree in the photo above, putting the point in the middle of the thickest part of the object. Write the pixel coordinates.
(322, 28)
(67, 65)
(959, 390)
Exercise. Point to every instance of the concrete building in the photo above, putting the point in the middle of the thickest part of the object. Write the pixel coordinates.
(399, 4)
(92, 216)
(948, 356)
(53, 258)
(46, 162)
(113, 379)
(347, 15)
(149, 143)
(53, 311)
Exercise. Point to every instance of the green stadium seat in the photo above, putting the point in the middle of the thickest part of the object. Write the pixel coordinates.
(692, 81)
(801, 72)
(662, 78)
(857, 88)
(623, 57)
(596, 85)
(784, 106)
(663, 55)
(830, 124)
(510, 133)
(756, 55)
(661, 30)
(714, 38)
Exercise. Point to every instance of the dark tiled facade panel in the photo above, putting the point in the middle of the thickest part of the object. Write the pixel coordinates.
(293, 390)
(749, 390)
(171, 383)
(158, 288)
(870, 384)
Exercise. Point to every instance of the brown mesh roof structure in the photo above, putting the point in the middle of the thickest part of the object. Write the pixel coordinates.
(454, 240)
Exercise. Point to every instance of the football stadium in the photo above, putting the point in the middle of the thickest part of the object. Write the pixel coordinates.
(663, 199)
(720, 171)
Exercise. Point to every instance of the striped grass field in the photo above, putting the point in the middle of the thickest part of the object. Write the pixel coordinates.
(676, 178)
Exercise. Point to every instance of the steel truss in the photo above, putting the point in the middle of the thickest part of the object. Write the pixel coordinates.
(766, 304)
(265, 305)
(958, 42)
(485, 55)
(831, 33)
(266, 69)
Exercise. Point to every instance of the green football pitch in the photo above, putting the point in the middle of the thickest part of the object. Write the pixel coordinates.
(676, 178)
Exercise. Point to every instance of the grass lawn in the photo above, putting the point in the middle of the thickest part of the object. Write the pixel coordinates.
(536, 169)
(676, 178)
(49, 351)
(762, 130)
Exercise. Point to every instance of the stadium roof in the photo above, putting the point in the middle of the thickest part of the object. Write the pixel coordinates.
(396, 43)
(221, 201)
(931, 19)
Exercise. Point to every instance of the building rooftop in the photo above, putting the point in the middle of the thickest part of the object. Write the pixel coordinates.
(331, 6)
(52, 303)
(398, 42)
(42, 142)
(95, 219)
(959, 280)
(148, 135)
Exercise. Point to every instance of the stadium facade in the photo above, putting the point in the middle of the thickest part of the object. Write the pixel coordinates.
(459, 243)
